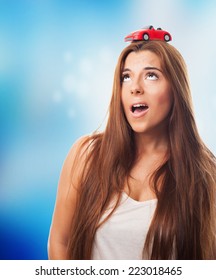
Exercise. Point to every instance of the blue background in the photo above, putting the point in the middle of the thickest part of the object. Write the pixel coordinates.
(57, 60)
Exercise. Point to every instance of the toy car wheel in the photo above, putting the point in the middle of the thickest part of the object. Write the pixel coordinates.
(166, 37)
(145, 37)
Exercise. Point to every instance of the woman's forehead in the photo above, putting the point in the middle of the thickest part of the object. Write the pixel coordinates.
(142, 58)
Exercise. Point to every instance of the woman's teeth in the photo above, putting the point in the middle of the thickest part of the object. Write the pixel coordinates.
(139, 107)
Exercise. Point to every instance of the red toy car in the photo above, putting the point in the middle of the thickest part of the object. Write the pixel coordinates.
(149, 33)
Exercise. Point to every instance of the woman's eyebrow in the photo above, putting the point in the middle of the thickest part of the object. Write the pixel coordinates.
(145, 68)
(152, 68)
(126, 70)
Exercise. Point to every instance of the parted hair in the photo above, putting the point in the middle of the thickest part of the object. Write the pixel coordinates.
(184, 222)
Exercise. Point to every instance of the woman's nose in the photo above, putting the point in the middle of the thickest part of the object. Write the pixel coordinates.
(136, 91)
(136, 87)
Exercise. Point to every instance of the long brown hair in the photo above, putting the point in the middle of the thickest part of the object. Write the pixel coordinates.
(183, 226)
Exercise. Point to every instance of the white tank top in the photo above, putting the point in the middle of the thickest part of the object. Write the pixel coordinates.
(123, 235)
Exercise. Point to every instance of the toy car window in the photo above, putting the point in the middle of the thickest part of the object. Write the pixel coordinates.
(148, 27)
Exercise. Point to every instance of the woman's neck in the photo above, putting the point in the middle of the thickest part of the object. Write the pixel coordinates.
(149, 143)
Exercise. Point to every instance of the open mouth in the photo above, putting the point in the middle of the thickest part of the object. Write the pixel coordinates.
(138, 108)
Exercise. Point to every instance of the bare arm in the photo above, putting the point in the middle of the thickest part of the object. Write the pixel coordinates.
(65, 205)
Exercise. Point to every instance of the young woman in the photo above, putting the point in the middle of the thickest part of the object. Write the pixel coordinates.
(145, 188)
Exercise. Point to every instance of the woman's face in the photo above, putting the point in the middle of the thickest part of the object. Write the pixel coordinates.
(146, 95)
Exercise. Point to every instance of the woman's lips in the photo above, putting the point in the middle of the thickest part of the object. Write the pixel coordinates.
(138, 110)
(139, 113)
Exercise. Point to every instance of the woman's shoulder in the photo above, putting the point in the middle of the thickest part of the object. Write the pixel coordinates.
(78, 146)
(76, 151)
(82, 145)
(80, 150)
(74, 163)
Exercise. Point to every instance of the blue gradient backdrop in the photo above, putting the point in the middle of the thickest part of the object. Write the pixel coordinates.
(57, 60)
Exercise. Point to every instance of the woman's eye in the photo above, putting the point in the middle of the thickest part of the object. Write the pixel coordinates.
(151, 76)
(125, 78)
